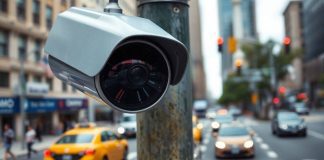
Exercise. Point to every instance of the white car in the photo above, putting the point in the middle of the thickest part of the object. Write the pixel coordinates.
(127, 125)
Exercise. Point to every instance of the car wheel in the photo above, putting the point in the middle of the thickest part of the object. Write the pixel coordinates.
(125, 153)
(304, 134)
(105, 158)
(273, 132)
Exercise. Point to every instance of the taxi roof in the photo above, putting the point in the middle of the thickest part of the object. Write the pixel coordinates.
(92, 130)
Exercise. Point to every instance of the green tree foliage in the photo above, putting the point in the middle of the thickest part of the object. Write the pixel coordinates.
(235, 91)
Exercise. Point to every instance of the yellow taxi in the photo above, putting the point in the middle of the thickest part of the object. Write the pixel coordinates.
(197, 130)
(88, 143)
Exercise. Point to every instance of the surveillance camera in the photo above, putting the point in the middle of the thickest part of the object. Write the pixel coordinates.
(126, 62)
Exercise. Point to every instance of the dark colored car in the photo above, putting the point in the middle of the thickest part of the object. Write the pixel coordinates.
(300, 108)
(219, 120)
(288, 123)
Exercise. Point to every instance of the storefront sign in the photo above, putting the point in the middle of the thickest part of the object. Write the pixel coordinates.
(41, 105)
(37, 89)
(72, 104)
(9, 105)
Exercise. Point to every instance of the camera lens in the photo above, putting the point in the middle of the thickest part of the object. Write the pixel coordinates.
(135, 77)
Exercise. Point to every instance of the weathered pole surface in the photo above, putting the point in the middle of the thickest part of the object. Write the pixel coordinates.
(165, 132)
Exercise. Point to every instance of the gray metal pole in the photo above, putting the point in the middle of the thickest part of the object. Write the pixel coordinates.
(165, 132)
(22, 98)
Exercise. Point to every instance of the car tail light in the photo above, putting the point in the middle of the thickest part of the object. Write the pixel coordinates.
(47, 153)
(89, 152)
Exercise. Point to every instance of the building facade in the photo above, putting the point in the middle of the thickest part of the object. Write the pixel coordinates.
(50, 104)
(293, 19)
(313, 11)
(225, 8)
(198, 72)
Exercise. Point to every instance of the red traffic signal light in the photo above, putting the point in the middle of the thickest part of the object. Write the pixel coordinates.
(276, 100)
(287, 41)
(220, 42)
(282, 90)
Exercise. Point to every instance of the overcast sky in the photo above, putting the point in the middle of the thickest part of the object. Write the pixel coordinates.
(270, 25)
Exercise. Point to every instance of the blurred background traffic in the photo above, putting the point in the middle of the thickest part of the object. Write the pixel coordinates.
(267, 88)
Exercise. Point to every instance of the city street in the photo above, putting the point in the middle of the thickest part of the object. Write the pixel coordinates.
(267, 146)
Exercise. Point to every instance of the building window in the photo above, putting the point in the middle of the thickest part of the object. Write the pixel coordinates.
(22, 47)
(49, 82)
(64, 87)
(21, 9)
(3, 44)
(37, 78)
(4, 79)
(3, 5)
(49, 15)
(36, 11)
(37, 51)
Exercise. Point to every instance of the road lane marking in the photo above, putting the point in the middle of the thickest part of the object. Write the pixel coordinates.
(264, 146)
(132, 156)
(272, 154)
(316, 134)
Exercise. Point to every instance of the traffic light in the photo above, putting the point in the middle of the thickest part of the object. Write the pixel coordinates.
(231, 45)
(238, 66)
(276, 100)
(286, 43)
(220, 42)
(282, 90)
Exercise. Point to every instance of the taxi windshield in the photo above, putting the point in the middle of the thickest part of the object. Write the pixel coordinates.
(72, 139)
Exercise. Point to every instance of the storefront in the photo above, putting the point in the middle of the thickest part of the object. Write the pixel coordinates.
(71, 111)
(44, 114)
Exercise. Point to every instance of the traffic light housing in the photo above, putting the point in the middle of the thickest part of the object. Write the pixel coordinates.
(220, 42)
(287, 42)
(232, 45)
(238, 66)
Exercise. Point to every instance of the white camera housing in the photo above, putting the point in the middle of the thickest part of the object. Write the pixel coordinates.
(126, 62)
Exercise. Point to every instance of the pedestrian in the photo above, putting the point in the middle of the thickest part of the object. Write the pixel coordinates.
(30, 138)
(8, 138)
(39, 132)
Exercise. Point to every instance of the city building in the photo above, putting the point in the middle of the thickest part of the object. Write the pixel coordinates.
(198, 72)
(226, 25)
(294, 30)
(313, 22)
(49, 104)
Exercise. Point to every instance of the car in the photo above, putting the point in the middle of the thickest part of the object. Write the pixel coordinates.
(288, 123)
(127, 125)
(200, 108)
(300, 108)
(234, 141)
(197, 129)
(219, 120)
(88, 143)
(235, 112)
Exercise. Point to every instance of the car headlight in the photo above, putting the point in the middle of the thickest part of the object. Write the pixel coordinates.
(200, 126)
(121, 130)
(302, 125)
(220, 145)
(283, 126)
(215, 125)
(248, 144)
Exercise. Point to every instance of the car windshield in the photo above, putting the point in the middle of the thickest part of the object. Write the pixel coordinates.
(233, 131)
(224, 119)
(300, 105)
(72, 139)
(288, 117)
(129, 118)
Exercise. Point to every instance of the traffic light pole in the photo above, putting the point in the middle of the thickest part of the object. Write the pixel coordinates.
(165, 132)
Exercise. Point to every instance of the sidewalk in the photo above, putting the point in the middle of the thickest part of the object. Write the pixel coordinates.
(16, 147)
